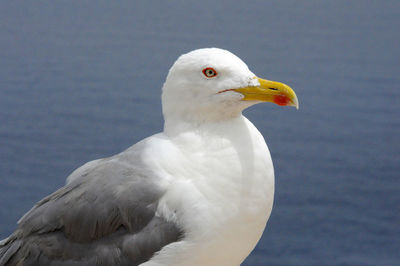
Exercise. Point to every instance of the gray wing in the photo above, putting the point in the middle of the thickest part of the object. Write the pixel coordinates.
(105, 217)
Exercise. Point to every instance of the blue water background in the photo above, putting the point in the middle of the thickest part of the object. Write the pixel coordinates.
(81, 80)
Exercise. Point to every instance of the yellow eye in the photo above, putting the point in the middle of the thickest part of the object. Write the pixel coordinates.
(209, 72)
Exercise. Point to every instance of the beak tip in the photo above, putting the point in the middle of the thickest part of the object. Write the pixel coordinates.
(296, 103)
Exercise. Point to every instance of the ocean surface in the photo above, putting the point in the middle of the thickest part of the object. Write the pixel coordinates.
(81, 80)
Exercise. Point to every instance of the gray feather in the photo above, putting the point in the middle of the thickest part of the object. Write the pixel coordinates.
(105, 216)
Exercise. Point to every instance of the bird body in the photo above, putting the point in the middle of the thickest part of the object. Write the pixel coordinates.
(219, 191)
(198, 193)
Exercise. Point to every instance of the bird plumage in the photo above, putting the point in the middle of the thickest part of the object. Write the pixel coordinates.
(198, 193)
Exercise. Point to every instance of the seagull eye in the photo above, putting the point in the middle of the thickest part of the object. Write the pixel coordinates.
(209, 72)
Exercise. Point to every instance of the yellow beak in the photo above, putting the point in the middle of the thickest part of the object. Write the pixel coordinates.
(270, 91)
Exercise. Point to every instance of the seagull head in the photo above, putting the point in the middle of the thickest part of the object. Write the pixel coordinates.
(213, 84)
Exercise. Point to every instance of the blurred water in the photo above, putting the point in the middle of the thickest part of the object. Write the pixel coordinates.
(81, 80)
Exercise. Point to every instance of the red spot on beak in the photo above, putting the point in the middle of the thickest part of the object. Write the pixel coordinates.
(281, 100)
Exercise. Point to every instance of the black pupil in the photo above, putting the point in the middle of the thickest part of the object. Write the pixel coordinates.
(210, 72)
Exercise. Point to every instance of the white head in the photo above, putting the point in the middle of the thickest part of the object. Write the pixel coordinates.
(213, 84)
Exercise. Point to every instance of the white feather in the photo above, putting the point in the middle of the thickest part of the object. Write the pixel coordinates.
(215, 164)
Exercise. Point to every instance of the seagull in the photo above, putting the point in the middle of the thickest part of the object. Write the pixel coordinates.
(198, 193)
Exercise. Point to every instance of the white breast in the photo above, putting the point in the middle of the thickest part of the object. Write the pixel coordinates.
(220, 190)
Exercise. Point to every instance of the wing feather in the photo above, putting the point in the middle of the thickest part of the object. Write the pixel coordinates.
(105, 216)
